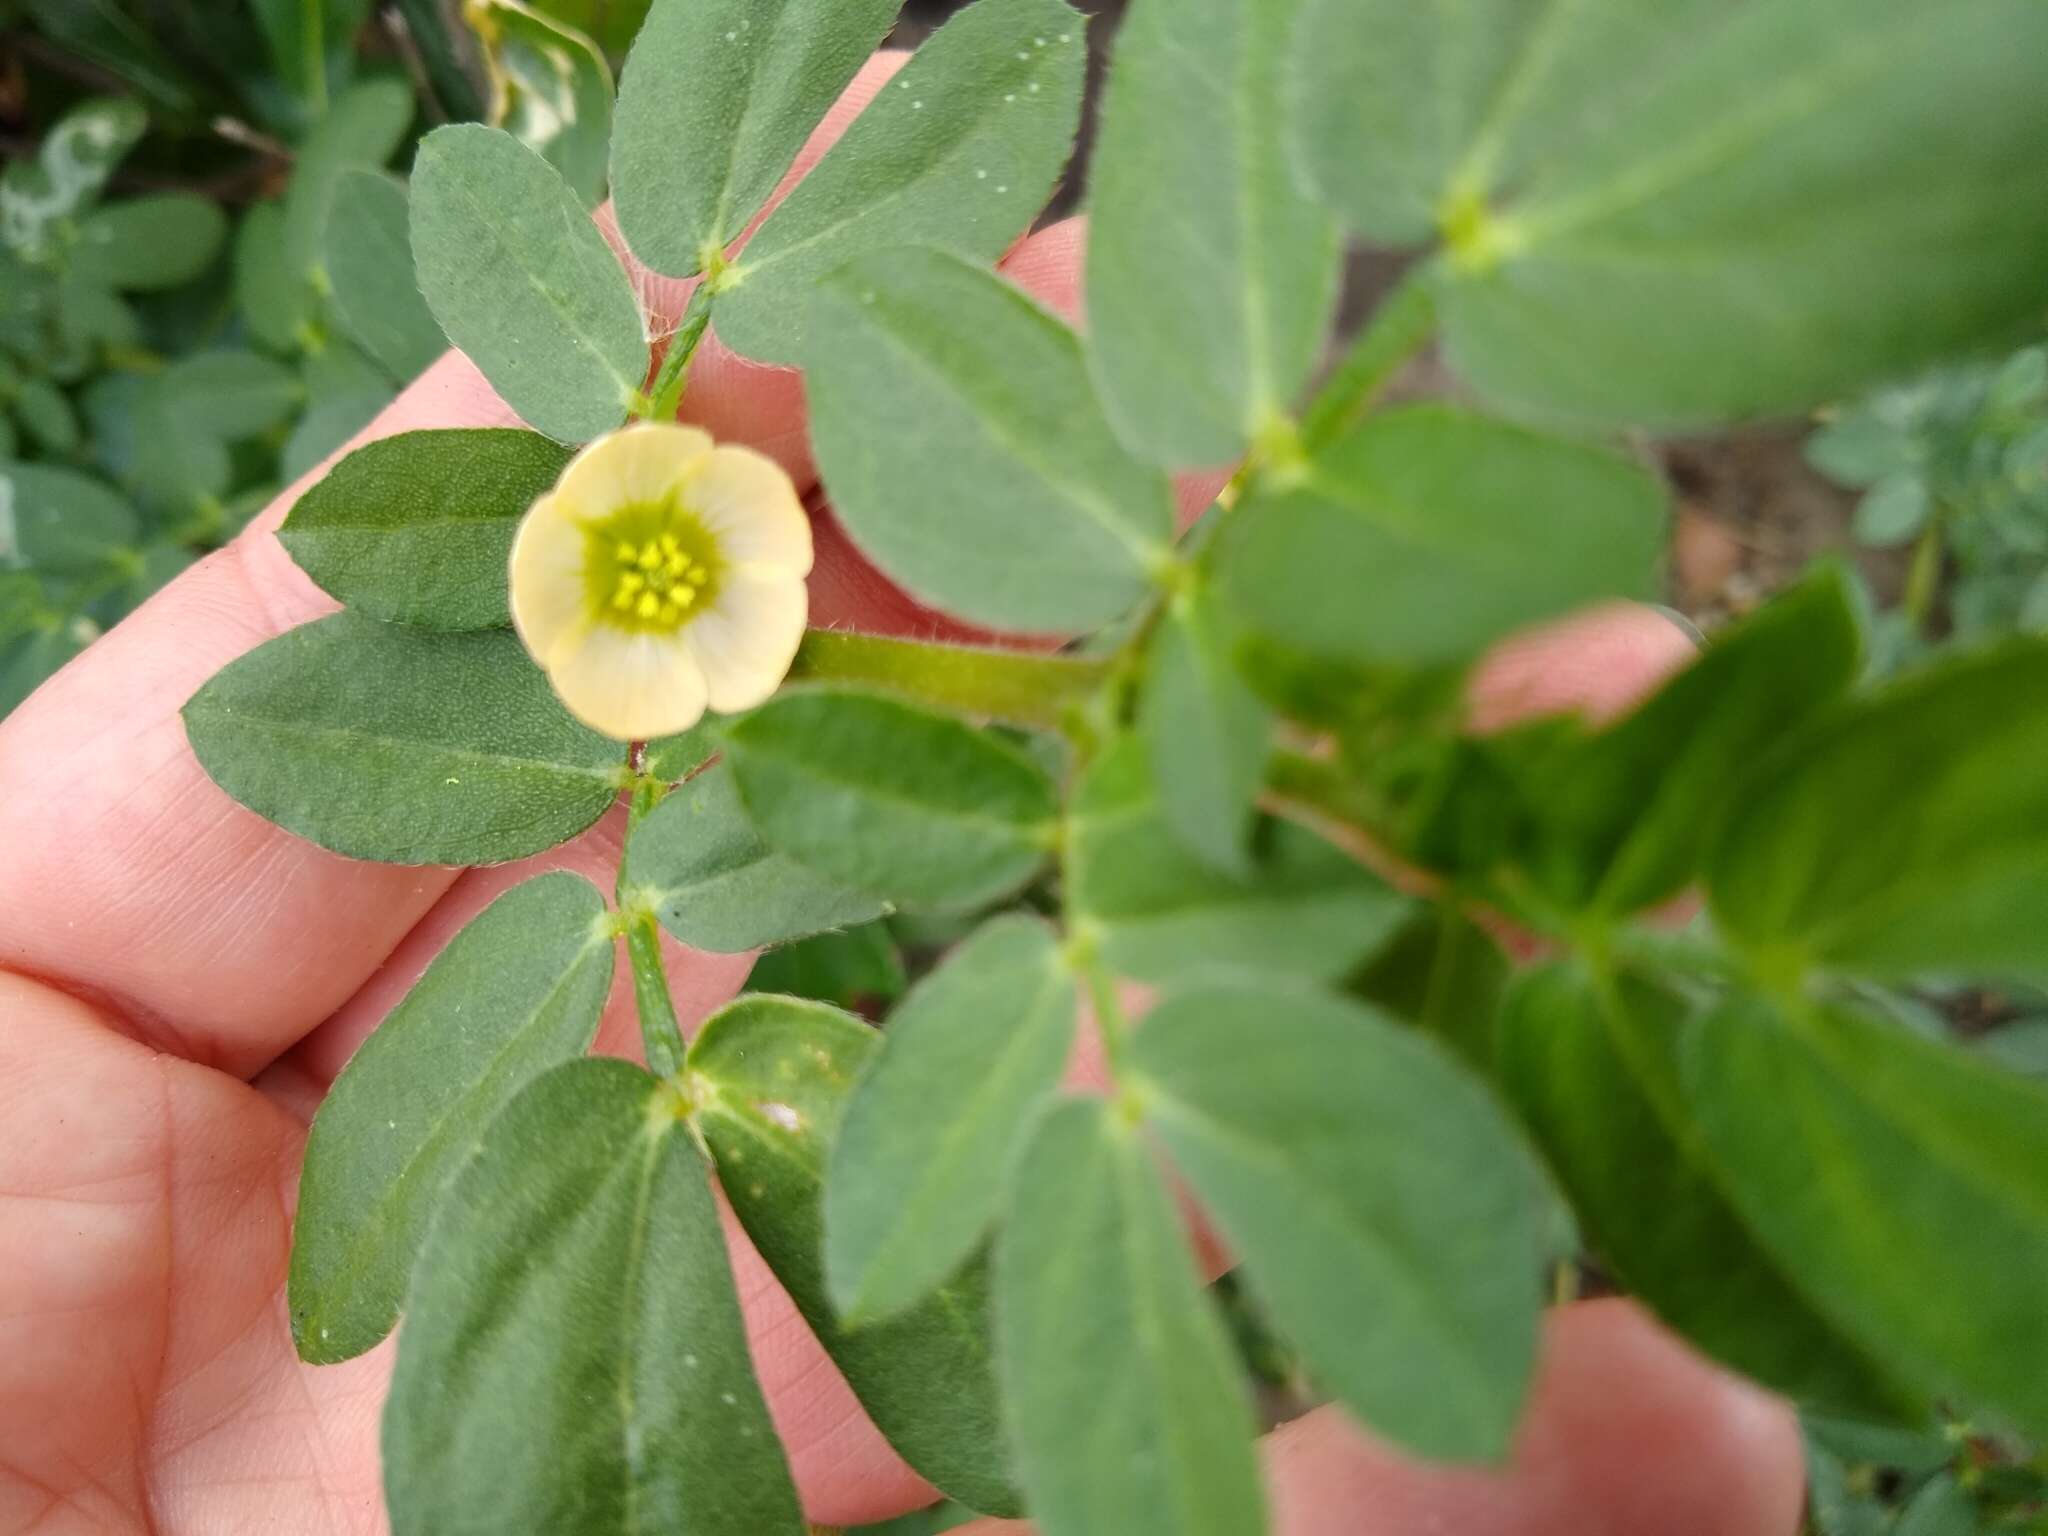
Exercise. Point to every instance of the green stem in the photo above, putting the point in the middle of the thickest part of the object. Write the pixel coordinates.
(1013, 686)
(661, 1032)
(313, 53)
(1401, 327)
(667, 393)
(1923, 578)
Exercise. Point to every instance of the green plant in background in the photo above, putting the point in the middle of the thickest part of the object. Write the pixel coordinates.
(1624, 228)
(153, 394)
(1954, 464)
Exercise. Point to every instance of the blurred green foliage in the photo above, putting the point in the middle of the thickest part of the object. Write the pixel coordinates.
(205, 281)
(1954, 466)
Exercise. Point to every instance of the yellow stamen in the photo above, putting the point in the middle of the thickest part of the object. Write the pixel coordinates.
(650, 557)
(650, 605)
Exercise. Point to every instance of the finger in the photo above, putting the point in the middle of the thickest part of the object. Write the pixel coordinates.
(133, 879)
(1598, 662)
(1627, 1432)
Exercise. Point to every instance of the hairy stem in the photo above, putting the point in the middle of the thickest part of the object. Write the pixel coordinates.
(661, 1032)
(667, 392)
(1013, 686)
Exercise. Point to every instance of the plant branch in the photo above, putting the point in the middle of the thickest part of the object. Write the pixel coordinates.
(1013, 686)
(667, 391)
(661, 1032)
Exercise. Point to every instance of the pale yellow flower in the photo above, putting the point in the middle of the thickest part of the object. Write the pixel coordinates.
(661, 575)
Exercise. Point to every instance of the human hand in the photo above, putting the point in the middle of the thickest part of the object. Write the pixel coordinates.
(180, 981)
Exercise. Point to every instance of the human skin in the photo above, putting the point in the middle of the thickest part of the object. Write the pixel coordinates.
(180, 981)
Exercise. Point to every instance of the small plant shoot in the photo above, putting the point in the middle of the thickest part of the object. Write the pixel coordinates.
(1226, 897)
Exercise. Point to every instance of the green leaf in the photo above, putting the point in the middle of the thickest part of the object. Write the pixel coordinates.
(1211, 275)
(918, 807)
(1602, 184)
(611, 24)
(778, 1072)
(26, 662)
(520, 279)
(960, 152)
(1206, 733)
(1862, 448)
(1126, 1397)
(39, 196)
(1904, 833)
(697, 861)
(46, 416)
(550, 89)
(417, 528)
(366, 123)
(1894, 511)
(517, 991)
(716, 99)
(309, 43)
(272, 298)
(368, 257)
(1940, 1508)
(229, 395)
(974, 1051)
(1443, 974)
(1380, 1202)
(860, 969)
(1902, 1184)
(1163, 914)
(344, 393)
(573, 1357)
(1618, 820)
(149, 242)
(1595, 1074)
(1429, 533)
(59, 521)
(402, 745)
(959, 435)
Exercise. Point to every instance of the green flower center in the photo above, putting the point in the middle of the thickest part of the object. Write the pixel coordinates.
(650, 569)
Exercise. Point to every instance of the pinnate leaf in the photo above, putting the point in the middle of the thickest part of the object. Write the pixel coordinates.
(402, 745)
(1211, 274)
(1161, 913)
(974, 1050)
(520, 279)
(717, 98)
(887, 797)
(959, 151)
(698, 862)
(1380, 1202)
(369, 265)
(417, 528)
(1206, 733)
(1595, 1073)
(148, 242)
(1902, 1183)
(958, 432)
(1601, 182)
(1429, 532)
(1127, 1400)
(517, 991)
(575, 1295)
(1902, 833)
(778, 1072)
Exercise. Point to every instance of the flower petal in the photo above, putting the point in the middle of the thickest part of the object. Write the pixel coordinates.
(746, 640)
(753, 511)
(630, 687)
(640, 463)
(547, 577)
